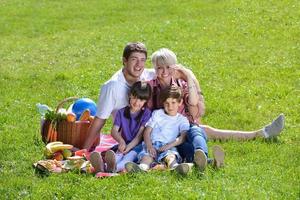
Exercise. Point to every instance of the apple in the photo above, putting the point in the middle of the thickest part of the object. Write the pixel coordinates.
(67, 153)
(58, 156)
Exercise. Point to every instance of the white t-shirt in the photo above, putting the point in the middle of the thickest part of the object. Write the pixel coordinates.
(114, 93)
(166, 128)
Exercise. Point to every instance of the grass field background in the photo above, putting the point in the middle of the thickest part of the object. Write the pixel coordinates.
(245, 54)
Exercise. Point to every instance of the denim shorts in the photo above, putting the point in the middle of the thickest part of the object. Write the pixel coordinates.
(161, 155)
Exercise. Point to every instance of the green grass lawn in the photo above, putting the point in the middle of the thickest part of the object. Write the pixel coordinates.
(245, 54)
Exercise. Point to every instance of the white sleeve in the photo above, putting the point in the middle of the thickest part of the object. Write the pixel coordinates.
(153, 119)
(148, 75)
(106, 102)
(184, 124)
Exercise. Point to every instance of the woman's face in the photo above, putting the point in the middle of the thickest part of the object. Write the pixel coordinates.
(164, 72)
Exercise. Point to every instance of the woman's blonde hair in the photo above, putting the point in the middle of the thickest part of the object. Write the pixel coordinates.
(163, 57)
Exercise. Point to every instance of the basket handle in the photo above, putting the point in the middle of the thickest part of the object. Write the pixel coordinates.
(64, 101)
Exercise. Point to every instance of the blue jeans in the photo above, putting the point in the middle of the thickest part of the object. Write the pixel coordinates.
(196, 139)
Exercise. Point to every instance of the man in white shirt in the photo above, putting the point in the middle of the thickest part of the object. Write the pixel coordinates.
(114, 93)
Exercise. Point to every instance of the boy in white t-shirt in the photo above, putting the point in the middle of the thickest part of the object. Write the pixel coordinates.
(165, 129)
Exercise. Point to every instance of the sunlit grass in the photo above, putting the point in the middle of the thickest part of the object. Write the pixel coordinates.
(244, 53)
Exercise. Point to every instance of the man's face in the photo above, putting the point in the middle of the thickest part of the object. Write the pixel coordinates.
(135, 64)
(171, 106)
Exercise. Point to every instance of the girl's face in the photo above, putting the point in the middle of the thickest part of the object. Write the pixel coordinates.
(164, 72)
(136, 104)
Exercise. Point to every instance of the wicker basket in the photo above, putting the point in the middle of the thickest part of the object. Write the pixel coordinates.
(74, 133)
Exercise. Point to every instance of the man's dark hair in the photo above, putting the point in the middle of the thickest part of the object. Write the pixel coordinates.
(134, 47)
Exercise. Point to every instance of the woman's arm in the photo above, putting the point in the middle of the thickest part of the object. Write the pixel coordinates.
(195, 102)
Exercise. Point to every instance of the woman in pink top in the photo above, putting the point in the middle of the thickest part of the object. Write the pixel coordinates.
(168, 72)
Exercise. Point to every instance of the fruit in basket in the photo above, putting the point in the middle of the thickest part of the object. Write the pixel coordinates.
(83, 104)
(58, 156)
(71, 117)
(91, 118)
(85, 115)
(67, 153)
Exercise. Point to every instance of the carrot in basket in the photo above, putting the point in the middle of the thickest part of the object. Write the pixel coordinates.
(54, 135)
(49, 134)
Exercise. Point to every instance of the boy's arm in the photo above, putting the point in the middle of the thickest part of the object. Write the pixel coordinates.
(179, 140)
(117, 136)
(138, 138)
(148, 142)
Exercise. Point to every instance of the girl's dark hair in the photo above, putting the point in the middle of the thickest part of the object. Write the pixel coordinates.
(171, 91)
(141, 90)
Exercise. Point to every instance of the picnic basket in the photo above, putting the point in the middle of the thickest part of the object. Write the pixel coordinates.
(74, 133)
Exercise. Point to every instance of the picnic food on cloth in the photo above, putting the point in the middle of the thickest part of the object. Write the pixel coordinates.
(61, 125)
(71, 164)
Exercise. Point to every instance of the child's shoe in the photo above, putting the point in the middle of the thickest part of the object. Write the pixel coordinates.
(184, 168)
(132, 167)
(200, 159)
(218, 155)
(97, 162)
(110, 158)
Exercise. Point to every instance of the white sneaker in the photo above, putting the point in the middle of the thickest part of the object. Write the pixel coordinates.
(273, 129)
(200, 159)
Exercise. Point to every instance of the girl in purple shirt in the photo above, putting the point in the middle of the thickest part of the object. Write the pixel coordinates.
(127, 130)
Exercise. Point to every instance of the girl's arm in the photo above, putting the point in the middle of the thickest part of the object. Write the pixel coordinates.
(117, 136)
(138, 138)
(148, 142)
(179, 140)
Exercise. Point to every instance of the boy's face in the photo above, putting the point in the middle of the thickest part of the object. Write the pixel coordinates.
(171, 106)
(135, 103)
(135, 64)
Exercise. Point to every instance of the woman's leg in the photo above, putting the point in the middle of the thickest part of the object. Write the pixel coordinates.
(219, 134)
(270, 130)
(197, 137)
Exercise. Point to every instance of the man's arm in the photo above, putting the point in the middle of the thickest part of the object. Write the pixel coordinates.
(93, 131)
